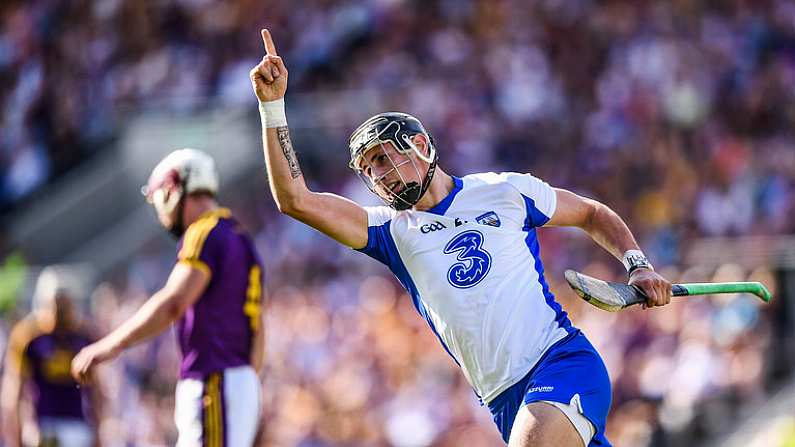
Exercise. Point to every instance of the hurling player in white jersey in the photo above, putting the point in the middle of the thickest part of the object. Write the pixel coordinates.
(466, 251)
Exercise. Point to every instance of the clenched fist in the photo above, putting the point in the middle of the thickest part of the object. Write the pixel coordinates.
(656, 288)
(269, 77)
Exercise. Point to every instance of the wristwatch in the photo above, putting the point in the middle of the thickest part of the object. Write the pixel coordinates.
(635, 259)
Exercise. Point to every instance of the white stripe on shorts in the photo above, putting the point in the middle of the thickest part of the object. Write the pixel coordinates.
(574, 413)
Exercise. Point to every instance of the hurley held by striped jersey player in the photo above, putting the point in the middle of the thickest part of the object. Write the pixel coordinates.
(465, 248)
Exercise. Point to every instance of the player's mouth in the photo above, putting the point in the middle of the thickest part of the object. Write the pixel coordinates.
(395, 187)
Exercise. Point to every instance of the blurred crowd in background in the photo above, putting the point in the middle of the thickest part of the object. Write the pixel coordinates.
(677, 114)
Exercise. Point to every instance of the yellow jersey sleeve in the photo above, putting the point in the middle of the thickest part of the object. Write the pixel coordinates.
(194, 251)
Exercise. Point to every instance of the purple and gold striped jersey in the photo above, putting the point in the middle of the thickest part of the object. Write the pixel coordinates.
(43, 360)
(217, 331)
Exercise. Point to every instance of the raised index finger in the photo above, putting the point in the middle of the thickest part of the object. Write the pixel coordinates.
(270, 48)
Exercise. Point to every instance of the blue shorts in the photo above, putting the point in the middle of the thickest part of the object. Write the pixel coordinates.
(571, 366)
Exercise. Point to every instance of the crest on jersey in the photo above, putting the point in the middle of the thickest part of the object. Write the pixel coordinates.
(490, 218)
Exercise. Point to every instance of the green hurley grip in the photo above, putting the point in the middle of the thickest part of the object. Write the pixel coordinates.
(722, 287)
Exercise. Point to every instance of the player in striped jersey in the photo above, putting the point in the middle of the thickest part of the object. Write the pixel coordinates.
(214, 294)
(466, 250)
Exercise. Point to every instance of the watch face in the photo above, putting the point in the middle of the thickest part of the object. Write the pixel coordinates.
(635, 261)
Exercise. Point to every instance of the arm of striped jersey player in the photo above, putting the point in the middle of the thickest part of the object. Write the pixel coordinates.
(337, 217)
(612, 233)
(595, 218)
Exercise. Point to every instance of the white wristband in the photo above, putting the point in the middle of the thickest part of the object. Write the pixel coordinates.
(272, 113)
(633, 259)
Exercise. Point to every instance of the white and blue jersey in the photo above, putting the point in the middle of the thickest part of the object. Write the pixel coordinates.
(472, 266)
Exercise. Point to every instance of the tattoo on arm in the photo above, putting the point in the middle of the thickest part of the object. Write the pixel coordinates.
(287, 148)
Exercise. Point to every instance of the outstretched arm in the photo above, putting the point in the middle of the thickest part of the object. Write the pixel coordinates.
(336, 216)
(609, 231)
(184, 286)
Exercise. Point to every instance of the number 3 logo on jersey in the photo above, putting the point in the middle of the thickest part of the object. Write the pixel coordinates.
(475, 262)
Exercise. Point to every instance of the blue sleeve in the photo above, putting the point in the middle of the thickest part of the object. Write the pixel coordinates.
(540, 199)
(380, 245)
(535, 218)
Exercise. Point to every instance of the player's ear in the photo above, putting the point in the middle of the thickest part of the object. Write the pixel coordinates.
(422, 143)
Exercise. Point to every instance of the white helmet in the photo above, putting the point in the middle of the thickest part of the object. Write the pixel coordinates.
(54, 281)
(58, 288)
(181, 172)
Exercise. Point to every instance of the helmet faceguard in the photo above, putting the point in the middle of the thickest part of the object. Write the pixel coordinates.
(166, 193)
(398, 129)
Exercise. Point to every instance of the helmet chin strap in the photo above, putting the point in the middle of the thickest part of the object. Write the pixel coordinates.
(413, 192)
(178, 227)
